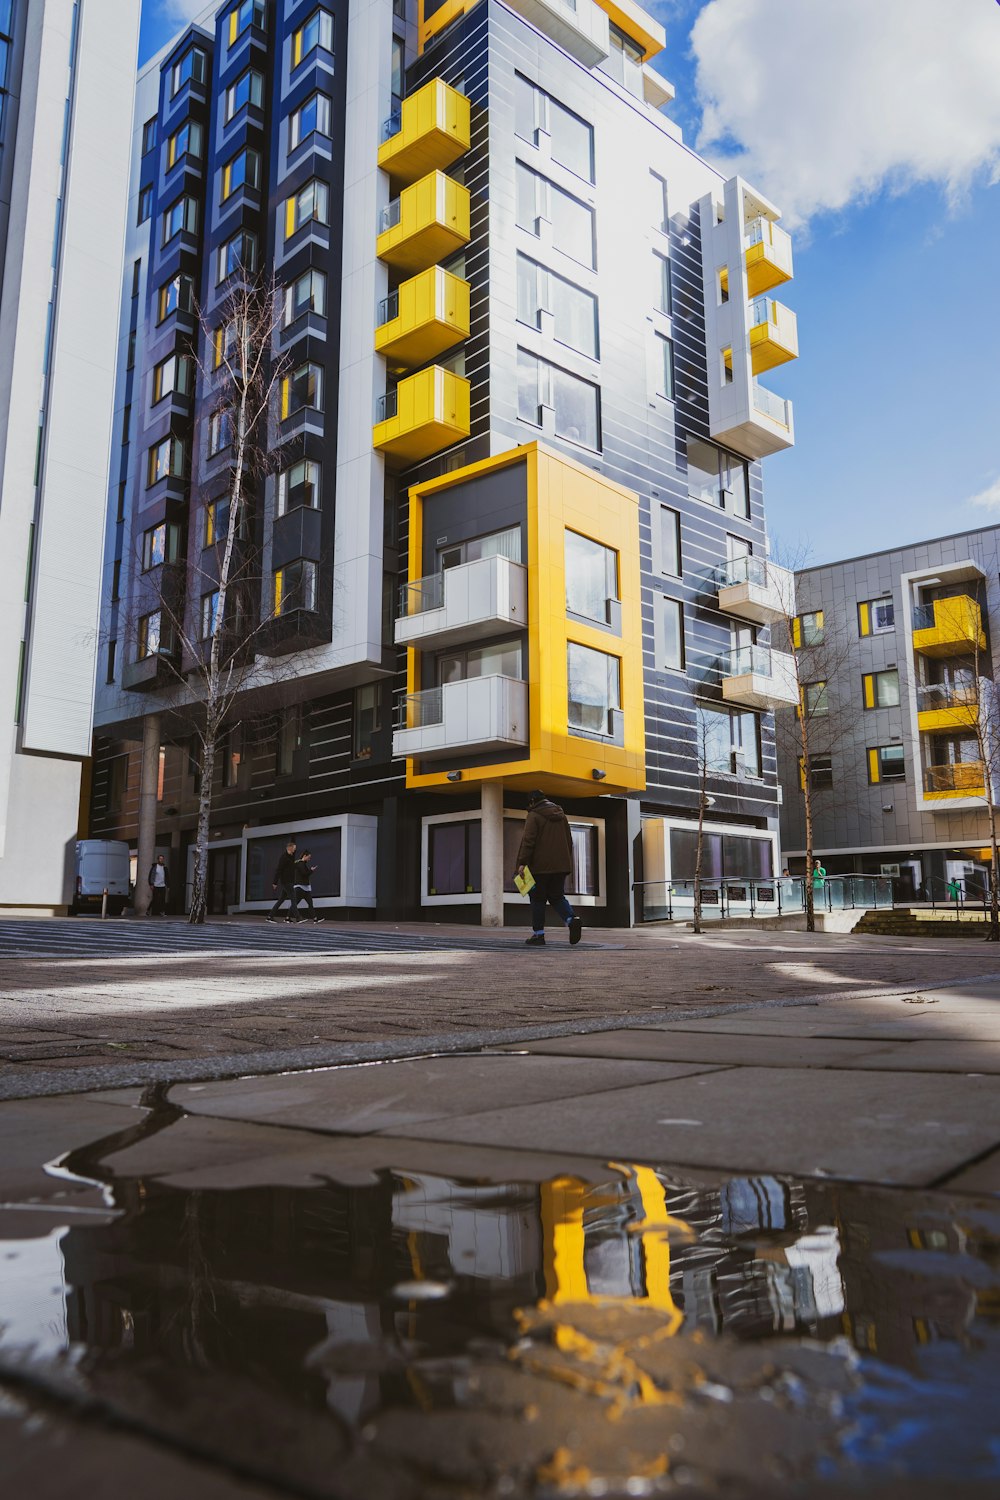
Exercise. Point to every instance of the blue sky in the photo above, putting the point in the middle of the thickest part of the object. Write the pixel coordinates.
(877, 130)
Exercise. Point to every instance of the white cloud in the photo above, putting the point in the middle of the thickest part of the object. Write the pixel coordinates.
(822, 104)
(989, 498)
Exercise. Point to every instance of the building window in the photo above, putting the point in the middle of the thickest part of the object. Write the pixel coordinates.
(881, 689)
(116, 580)
(808, 629)
(130, 357)
(248, 13)
(670, 541)
(815, 699)
(311, 118)
(591, 578)
(160, 544)
(289, 739)
(191, 69)
(242, 171)
(187, 141)
(367, 718)
(148, 135)
(145, 204)
(172, 377)
(317, 31)
(117, 784)
(216, 521)
(182, 215)
(661, 212)
(728, 741)
(237, 254)
(224, 341)
(232, 757)
(155, 638)
(302, 390)
(671, 635)
(664, 294)
(717, 477)
(876, 617)
(574, 311)
(136, 276)
(295, 587)
(820, 771)
(220, 431)
(126, 423)
(299, 486)
(572, 221)
(166, 461)
(248, 89)
(594, 689)
(309, 205)
(120, 510)
(571, 140)
(176, 295)
(112, 660)
(624, 62)
(574, 402)
(505, 543)
(307, 294)
(211, 617)
(501, 660)
(886, 763)
(454, 857)
(665, 366)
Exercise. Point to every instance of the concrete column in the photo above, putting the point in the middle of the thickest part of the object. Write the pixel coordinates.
(149, 777)
(492, 854)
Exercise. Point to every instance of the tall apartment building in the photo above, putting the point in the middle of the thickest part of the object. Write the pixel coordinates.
(67, 79)
(904, 644)
(513, 530)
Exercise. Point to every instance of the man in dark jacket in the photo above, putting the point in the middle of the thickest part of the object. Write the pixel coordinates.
(546, 849)
(159, 885)
(284, 882)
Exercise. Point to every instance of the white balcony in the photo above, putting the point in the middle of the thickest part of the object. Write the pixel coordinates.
(757, 590)
(472, 717)
(467, 603)
(757, 677)
(579, 26)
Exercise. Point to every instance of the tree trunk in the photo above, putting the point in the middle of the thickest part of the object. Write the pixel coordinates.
(993, 936)
(699, 846)
(199, 888)
(809, 893)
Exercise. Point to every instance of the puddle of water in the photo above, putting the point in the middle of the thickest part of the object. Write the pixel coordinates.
(423, 1335)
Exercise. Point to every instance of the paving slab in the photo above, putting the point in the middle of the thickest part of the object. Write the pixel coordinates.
(36, 1131)
(671, 1045)
(383, 1096)
(828, 1022)
(981, 1177)
(909, 1128)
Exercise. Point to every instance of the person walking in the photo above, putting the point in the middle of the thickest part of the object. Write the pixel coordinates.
(284, 882)
(159, 885)
(546, 849)
(304, 871)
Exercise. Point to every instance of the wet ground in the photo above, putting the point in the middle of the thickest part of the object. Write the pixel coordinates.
(373, 1317)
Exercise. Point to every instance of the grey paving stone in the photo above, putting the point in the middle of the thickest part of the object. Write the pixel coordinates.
(36, 1131)
(982, 1177)
(882, 1127)
(362, 1100)
(672, 1045)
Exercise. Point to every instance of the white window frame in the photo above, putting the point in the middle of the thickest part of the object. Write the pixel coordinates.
(510, 898)
(358, 846)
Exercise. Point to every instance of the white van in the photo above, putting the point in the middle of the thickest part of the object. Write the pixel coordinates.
(101, 864)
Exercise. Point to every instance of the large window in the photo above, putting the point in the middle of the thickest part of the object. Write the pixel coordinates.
(501, 660)
(248, 89)
(165, 460)
(572, 221)
(155, 637)
(808, 629)
(575, 403)
(148, 130)
(881, 689)
(180, 216)
(310, 205)
(160, 544)
(323, 844)
(211, 615)
(624, 61)
(173, 377)
(176, 295)
(591, 578)
(188, 140)
(574, 311)
(665, 366)
(311, 118)
(671, 634)
(815, 699)
(317, 31)
(302, 390)
(733, 855)
(191, 69)
(220, 432)
(454, 858)
(505, 543)
(876, 616)
(670, 541)
(216, 521)
(728, 740)
(594, 689)
(571, 139)
(307, 294)
(717, 477)
(237, 254)
(145, 207)
(367, 718)
(886, 763)
(242, 171)
(295, 587)
(248, 13)
(664, 295)
(299, 486)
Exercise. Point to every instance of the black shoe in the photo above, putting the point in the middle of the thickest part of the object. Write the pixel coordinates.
(317, 919)
(536, 940)
(270, 919)
(575, 929)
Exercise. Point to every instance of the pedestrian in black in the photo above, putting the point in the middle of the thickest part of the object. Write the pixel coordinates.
(284, 882)
(159, 885)
(546, 849)
(304, 871)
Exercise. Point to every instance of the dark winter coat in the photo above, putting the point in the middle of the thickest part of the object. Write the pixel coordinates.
(284, 870)
(546, 843)
(166, 876)
(304, 872)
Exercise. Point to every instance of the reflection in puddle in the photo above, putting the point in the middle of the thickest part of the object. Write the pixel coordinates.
(421, 1335)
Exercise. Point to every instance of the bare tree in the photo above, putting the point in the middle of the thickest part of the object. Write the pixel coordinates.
(981, 695)
(704, 802)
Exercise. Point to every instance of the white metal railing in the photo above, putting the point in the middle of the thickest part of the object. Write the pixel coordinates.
(422, 594)
(418, 710)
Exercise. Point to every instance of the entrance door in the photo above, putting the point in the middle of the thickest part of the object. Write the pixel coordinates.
(223, 880)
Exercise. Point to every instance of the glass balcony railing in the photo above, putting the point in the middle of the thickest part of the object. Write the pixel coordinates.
(387, 406)
(422, 594)
(934, 695)
(387, 309)
(392, 126)
(967, 776)
(752, 570)
(775, 407)
(389, 217)
(419, 710)
(923, 617)
(747, 659)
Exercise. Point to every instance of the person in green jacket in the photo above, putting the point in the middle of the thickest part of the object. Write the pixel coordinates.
(819, 876)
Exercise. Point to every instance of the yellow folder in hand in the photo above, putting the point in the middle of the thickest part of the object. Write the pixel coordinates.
(524, 882)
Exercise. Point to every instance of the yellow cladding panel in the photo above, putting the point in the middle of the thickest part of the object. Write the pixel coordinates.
(958, 716)
(433, 315)
(429, 26)
(637, 24)
(958, 624)
(432, 413)
(434, 222)
(561, 495)
(775, 341)
(434, 132)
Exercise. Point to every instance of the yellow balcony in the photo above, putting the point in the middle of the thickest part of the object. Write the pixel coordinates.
(966, 779)
(426, 413)
(942, 707)
(768, 252)
(774, 335)
(431, 130)
(948, 627)
(427, 222)
(424, 317)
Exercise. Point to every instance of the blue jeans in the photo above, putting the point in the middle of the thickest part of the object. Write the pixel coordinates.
(548, 889)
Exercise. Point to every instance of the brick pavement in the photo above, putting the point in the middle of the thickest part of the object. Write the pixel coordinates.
(69, 1013)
